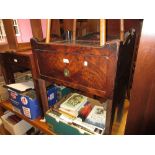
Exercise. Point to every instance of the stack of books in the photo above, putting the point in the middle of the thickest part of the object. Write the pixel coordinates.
(73, 104)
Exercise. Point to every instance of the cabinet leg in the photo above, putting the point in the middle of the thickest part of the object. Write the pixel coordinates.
(109, 119)
(43, 94)
(1, 111)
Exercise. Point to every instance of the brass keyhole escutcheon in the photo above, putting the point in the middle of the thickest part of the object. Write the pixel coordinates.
(66, 72)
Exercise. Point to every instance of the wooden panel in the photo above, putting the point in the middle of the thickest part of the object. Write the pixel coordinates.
(24, 46)
(10, 33)
(141, 113)
(68, 24)
(36, 28)
(43, 93)
(6, 70)
(93, 25)
(55, 27)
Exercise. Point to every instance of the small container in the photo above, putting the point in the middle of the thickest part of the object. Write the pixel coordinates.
(19, 128)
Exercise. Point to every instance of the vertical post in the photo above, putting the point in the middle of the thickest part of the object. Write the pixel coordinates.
(10, 33)
(122, 29)
(43, 95)
(74, 29)
(48, 27)
(36, 28)
(102, 32)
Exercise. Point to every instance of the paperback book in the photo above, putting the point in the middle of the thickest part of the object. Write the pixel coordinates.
(73, 104)
(97, 116)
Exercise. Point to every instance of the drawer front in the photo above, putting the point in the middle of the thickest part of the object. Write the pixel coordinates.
(18, 60)
(87, 70)
(60, 66)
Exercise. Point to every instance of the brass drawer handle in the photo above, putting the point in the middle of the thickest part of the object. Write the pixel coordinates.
(66, 72)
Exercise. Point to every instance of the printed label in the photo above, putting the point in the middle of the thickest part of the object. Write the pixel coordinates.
(13, 95)
(24, 100)
(51, 97)
(26, 112)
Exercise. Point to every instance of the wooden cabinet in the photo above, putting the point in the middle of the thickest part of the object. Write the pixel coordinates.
(84, 66)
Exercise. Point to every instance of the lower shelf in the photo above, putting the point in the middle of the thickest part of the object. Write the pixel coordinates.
(36, 123)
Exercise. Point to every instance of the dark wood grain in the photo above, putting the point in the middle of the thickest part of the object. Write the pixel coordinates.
(141, 115)
(124, 66)
(43, 95)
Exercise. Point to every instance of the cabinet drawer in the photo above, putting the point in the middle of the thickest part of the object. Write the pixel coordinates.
(87, 68)
(89, 71)
(18, 60)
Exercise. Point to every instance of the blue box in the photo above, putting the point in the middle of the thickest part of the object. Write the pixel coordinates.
(23, 97)
(14, 98)
(30, 106)
(52, 95)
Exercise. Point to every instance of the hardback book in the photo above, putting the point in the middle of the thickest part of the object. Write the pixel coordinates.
(74, 102)
(97, 116)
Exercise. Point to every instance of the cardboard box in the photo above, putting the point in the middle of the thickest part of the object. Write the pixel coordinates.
(30, 106)
(23, 98)
(17, 129)
(14, 98)
(52, 95)
(62, 128)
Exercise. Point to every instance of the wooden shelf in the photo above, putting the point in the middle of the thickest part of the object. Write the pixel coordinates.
(36, 123)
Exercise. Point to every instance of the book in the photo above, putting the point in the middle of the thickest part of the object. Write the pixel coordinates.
(74, 102)
(71, 112)
(13, 119)
(68, 112)
(84, 111)
(21, 87)
(88, 127)
(97, 117)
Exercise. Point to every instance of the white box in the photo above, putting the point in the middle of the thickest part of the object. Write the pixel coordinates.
(18, 129)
